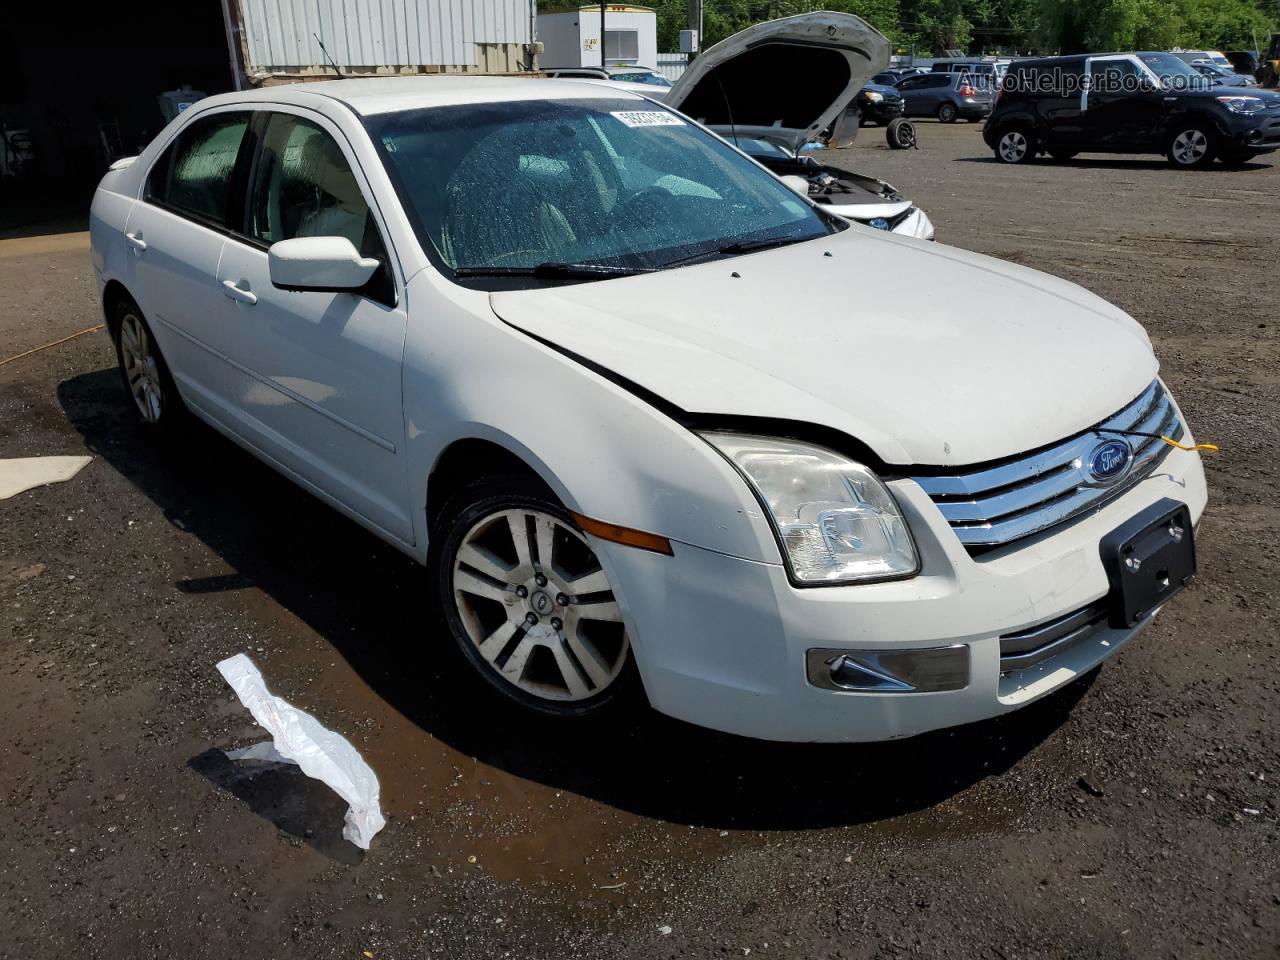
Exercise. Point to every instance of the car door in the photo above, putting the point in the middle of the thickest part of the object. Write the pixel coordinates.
(914, 94)
(1061, 103)
(175, 236)
(319, 373)
(1122, 108)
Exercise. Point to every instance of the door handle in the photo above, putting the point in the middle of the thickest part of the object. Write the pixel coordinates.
(136, 242)
(235, 292)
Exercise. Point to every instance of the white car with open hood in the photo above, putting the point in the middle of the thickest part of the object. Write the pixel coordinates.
(673, 433)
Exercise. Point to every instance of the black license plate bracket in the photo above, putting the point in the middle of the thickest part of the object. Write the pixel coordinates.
(1149, 559)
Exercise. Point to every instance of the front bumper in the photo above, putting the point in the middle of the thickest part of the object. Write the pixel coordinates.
(723, 642)
(882, 111)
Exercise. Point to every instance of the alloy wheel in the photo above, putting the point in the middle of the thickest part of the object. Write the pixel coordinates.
(1013, 146)
(1190, 147)
(537, 607)
(141, 369)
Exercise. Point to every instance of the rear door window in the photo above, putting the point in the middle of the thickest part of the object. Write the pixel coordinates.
(194, 175)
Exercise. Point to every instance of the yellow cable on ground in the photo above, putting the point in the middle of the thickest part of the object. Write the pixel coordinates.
(55, 343)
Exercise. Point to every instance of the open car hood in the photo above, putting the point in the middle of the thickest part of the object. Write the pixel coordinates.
(792, 76)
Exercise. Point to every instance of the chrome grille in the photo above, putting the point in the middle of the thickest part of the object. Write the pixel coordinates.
(997, 504)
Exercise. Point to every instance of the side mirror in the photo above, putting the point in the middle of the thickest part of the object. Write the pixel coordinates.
(330, 264)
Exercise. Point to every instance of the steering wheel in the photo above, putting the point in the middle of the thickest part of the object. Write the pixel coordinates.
(645, 206)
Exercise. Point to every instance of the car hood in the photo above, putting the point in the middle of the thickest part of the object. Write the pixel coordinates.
(795, 74)
(967, 359)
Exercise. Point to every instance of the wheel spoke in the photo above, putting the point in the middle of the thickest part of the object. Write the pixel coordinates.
(513, 669)
(485, 562)
(590, 659)
(496, 642)
(546, 530)
(573, 681)
(605, 610)
(589, 583)
(520, 539)
(464, 581)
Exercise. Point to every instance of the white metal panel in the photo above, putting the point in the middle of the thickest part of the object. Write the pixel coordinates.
(671, 65)
(281, 35)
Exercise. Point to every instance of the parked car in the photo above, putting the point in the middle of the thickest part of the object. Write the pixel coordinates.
(651, 419)
(1244, 62)
(1226, 78)
(947, 96)
(1216, 57)
(641, 80)
(891, 78)
(986, 69)
(853, 196)
(879, 104)
(1136, 103)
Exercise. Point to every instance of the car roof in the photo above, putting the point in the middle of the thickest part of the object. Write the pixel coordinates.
(374, 95)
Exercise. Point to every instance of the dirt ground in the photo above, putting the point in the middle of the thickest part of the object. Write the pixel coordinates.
(1134, 814)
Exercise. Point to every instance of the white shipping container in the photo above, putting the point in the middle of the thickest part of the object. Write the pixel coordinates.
(281, 38)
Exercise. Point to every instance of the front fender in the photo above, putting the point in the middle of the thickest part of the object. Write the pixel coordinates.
(605, 452)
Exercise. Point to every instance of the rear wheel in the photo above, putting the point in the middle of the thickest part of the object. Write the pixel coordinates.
(1014, 146)
(143, 371)
(528, 602)
(947, 112)
(1192, 146)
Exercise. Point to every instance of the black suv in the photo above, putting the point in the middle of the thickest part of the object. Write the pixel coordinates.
(1128, 103)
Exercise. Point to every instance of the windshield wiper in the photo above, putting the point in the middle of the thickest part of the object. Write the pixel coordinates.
(740, 246)
(589, 271)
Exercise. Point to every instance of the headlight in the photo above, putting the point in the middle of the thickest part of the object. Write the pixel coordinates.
(873, 96)
(835, 520)
(1243, 104)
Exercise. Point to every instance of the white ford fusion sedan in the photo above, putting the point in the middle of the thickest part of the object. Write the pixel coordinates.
(652, 420)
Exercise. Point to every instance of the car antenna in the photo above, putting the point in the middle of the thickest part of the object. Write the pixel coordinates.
(327, 57)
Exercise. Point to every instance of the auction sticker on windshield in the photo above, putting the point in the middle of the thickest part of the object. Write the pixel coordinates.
(648, 118)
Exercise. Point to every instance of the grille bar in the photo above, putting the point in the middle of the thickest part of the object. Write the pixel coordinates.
(996, 505)
(1036, 644)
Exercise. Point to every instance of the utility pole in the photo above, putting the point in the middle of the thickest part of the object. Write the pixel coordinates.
(603, 61)
(695, 22)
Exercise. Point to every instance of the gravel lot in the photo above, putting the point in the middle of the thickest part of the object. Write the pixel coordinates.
(1132, 815)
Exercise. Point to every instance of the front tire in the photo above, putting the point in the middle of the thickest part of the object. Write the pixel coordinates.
(143, 371)
(1193, 147)
(528, 602)
(1015, 146)
(947, 112)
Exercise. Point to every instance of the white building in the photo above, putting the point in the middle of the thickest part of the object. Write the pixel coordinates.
(571, 37)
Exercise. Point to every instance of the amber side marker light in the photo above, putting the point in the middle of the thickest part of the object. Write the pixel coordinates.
(624, 535)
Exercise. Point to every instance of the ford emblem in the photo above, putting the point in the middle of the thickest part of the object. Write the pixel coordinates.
(1109, 461)
(880, 223)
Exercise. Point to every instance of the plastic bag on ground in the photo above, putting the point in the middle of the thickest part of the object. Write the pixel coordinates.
(299, 737)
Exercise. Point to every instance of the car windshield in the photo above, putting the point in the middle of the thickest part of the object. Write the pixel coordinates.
(653, 79)
(1174, 73)
(592, 187)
